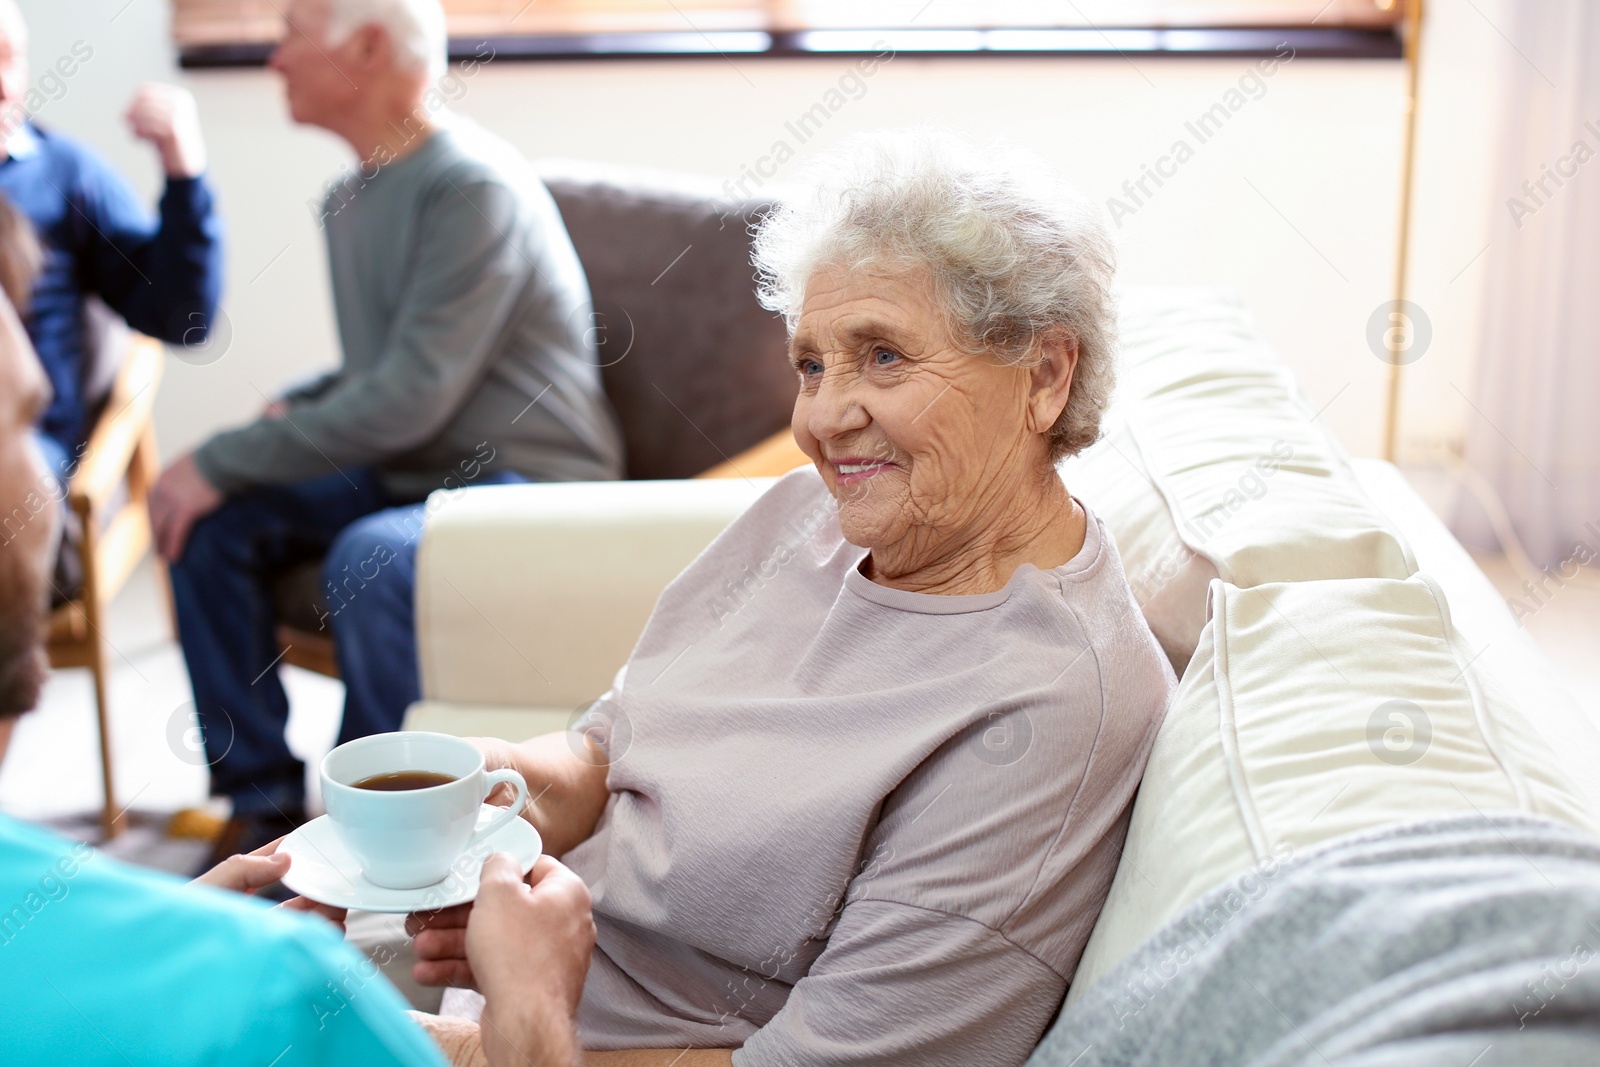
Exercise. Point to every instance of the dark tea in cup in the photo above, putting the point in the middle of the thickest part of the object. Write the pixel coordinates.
(393, 781)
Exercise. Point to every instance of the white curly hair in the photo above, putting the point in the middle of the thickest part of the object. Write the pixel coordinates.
(416, 29)
(1015, 256)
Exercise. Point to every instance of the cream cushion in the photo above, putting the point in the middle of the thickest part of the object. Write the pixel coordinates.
(1284, 733)
(1168, 578)
(1214, 465)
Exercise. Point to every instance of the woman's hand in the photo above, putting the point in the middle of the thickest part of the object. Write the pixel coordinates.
(248, 872)
(439, 939)
(566, 776)
(503, 755)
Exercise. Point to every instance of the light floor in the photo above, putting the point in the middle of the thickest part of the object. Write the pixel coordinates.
(52, 774)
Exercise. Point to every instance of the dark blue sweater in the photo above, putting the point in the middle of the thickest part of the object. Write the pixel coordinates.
(164, 276)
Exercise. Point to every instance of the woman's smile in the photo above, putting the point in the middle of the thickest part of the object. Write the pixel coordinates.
(852, 471)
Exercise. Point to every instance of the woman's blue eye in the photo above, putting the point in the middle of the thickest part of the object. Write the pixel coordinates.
(882, 356)
(810, 366)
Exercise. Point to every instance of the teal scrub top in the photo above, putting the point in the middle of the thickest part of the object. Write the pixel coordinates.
(104, 963)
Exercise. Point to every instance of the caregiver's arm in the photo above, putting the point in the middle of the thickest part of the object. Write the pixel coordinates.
(566, 790)
(529, 942)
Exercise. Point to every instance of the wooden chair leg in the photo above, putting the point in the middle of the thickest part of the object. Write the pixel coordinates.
(95, 616)
(110, 824)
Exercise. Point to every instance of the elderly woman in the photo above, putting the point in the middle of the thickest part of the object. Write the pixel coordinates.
(869, 813)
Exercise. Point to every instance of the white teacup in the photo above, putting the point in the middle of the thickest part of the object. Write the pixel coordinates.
(408, 838)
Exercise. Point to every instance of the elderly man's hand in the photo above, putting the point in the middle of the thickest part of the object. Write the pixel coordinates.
(180, 497)
(166, 116)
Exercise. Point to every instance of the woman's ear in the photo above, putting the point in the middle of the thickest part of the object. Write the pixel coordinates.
(1051, 381)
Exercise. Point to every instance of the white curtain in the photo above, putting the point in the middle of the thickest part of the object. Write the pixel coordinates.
(1534, 425)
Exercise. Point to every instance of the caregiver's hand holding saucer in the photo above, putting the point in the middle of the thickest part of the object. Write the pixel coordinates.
(523, 944)
(248, 872)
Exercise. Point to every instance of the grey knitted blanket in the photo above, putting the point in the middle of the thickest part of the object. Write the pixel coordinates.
(1462, 942)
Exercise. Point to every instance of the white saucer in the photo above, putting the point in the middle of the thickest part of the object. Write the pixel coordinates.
(323, 870)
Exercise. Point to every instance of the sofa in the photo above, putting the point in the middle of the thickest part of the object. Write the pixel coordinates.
(1343, 664)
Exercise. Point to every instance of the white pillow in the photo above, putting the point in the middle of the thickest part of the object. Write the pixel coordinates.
(1313, 710)
(1214, 465)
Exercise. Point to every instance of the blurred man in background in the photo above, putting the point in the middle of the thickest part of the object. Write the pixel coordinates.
(462, 313)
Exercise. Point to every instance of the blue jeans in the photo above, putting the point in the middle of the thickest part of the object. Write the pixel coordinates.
(223, 589)
(57, 459)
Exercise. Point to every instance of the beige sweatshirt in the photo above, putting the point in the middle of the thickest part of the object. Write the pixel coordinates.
(856, 825)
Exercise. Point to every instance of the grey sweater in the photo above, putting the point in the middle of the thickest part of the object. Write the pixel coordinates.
(462, 313)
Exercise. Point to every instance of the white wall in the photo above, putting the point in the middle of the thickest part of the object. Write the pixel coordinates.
(1293, 203)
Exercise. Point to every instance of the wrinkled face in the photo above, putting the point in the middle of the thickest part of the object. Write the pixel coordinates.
(918, 440)
(319, 80)
(28, 519)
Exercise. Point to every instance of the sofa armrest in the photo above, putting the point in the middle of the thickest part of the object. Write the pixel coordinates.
(1504, 648)
(533, 595)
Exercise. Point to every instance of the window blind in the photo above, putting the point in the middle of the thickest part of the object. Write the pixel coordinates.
(203, 23)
